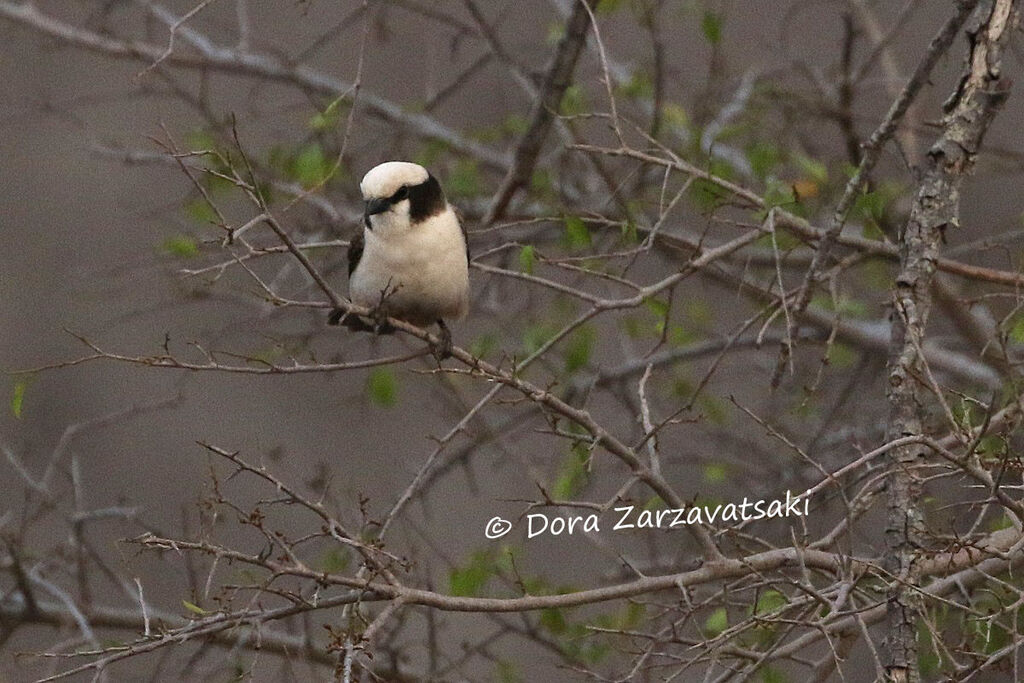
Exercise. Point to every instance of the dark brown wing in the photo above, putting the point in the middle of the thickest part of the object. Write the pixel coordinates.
(355, 251)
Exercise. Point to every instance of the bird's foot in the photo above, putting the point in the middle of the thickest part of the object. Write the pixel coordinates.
(378, 321)
(379, 315)
(352, 321)
(443, 348)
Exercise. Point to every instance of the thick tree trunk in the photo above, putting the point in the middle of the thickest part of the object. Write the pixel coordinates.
(969, 111)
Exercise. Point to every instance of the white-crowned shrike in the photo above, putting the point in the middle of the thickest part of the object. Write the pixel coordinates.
(410, 261)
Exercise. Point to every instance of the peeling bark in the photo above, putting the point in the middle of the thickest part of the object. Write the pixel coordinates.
(968, 113)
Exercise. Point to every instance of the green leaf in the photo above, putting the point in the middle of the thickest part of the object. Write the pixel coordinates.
(706, 194)
(526, 259)
(464, 179)
(573, 474)
(194, 608)
(841, 356)
(928, 658)
(772, 675)
(871, 231)
(515, 125)
(764, 157)
(638, 86)
(321, 122)
(556, 31)
(633, 615)
(714, 409)
(553, 620)
(470, 580)
(200, 211)
(505, 672)
(769, 601)
(869, 205)
(655, 503)
(431, 151)
(676, 116)
(311, 167)
(989, 634)
(1017, 331)
(715, 473)
(813, 169)
(483, 346)
(660, 309)
(993, 445)
(700, 313)
(682, 387)
(593, 653)
(219, 185)
(1003, 522)
(334, 561)
(574, 101)
(200, 140)
(853, 308)
(711, 26)
(579, 347)
(608, 6)
(541, 183)
(778, 194)
(535, 336)
(872, 205)
(629, 233)
(326, 119)
(680, 336)
(18, 398)
(382, 386)
(181, 246)
(717, 622)
(632, 326)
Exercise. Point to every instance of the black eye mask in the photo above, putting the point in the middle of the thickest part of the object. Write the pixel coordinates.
(380, 205)
(400, 194)
(425, 200)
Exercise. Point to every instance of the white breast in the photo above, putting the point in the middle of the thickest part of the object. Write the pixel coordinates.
(423, 269)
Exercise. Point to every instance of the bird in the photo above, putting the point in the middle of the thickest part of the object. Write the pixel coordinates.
(410, 261)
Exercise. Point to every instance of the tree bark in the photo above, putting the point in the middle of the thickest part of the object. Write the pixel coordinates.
(968, 113)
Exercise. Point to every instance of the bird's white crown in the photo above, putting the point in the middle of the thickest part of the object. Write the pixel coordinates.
(385, 179)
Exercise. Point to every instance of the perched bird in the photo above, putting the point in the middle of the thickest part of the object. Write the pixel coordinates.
(411, 260)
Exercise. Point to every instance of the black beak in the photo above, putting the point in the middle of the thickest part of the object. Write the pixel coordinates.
(375, 206)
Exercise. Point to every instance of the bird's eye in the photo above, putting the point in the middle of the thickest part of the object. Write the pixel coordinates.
(401, 194)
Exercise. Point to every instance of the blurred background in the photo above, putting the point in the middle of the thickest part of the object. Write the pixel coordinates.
(98, 224)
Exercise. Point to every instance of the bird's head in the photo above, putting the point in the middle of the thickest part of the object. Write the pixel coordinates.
(399, 195)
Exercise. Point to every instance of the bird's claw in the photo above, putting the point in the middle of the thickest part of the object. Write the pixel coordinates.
(443, 348)
(379, 315)
(339, 316)
(357, 323)
(352, 321)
